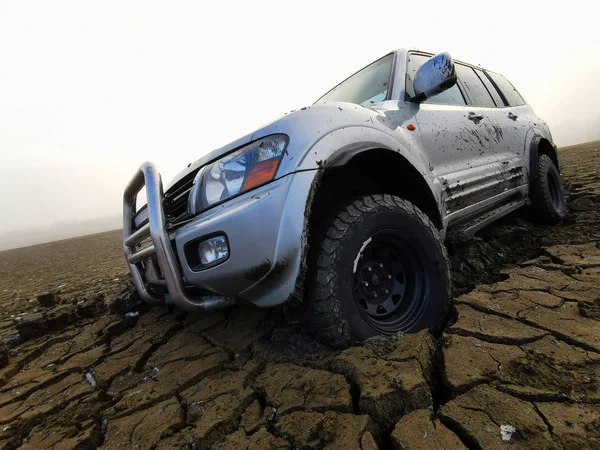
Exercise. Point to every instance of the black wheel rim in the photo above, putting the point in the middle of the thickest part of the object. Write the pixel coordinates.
(390, 283)
(555, 191)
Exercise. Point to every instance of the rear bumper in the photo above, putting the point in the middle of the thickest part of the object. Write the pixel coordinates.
(264, 229)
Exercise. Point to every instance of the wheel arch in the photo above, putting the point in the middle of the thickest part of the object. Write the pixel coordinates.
(372, 170)
(540, 146)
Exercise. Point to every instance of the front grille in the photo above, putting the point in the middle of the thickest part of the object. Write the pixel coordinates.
(176, 198)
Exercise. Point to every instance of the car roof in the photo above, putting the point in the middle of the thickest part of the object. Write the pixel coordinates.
(415, 50)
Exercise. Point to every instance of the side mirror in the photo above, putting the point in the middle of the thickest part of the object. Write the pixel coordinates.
(436, 75)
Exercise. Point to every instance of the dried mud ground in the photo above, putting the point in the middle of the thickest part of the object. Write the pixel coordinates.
(517, 365)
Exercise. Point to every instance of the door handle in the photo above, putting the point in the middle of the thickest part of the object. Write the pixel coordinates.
(475, 117)
(512, 116)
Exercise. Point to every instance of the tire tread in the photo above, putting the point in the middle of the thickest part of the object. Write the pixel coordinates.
(324, 319)
(541, 200)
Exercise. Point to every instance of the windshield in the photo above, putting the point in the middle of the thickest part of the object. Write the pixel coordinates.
(368, 86)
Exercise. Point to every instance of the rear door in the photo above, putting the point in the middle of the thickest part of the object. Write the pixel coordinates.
(458, 142)
(513, 116)
(503, 141)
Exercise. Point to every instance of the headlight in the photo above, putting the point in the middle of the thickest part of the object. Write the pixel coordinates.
(237, 172)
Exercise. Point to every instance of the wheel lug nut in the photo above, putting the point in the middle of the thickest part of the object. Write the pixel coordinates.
(369, 269)
(386, 292)
(365, 283)
(390, 277)
(380, 264)
(375, 294)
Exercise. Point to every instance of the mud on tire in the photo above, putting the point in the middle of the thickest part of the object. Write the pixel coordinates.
(381, 267)
(547, 194)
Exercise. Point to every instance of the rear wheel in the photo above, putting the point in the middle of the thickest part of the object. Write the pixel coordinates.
(381, 268)
(547, 193)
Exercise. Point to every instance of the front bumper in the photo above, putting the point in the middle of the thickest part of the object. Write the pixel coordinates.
(264, 229)
(160, 246)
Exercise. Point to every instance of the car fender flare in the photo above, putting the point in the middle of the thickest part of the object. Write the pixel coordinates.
(340, 146)
(534, 153)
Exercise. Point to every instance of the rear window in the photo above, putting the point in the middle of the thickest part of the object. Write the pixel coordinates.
(513, 98)
(477, 91)
(490, 87)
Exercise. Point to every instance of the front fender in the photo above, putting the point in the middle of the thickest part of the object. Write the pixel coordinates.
(340, 146)
(329, 135)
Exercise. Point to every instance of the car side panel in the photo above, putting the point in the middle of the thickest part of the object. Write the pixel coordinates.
(511, 123)
(508, 141)
(462, 154)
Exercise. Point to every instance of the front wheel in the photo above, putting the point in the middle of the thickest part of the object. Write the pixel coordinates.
(381, 268)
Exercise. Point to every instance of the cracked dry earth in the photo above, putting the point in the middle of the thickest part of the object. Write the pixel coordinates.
(517, 364)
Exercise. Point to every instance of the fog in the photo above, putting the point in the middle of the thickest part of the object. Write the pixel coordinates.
(88, 91)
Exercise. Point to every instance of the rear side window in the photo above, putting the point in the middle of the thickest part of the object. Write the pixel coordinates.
(475, 88)
(508, 90)
(490, 87)
(451, 96)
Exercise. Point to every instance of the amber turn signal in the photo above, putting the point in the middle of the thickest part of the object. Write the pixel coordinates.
(261, 173)
(411, 127)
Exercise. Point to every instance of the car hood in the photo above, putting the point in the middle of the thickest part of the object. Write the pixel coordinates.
(209, 157)
(301, 122)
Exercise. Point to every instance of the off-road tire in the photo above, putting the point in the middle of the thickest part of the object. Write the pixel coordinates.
(332, 312)
(547, 194)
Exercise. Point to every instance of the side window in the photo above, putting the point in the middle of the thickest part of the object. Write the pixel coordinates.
(451, 96)
(508, 90)
(477, 91)
(490, 87)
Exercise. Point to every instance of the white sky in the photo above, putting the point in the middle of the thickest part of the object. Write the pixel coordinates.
(89, 90)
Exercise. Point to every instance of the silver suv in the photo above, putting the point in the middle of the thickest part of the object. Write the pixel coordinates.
(342, 207)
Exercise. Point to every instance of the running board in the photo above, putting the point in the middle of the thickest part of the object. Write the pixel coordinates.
(467, 231)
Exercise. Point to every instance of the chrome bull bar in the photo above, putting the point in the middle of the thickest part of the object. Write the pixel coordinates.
(147, 175)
